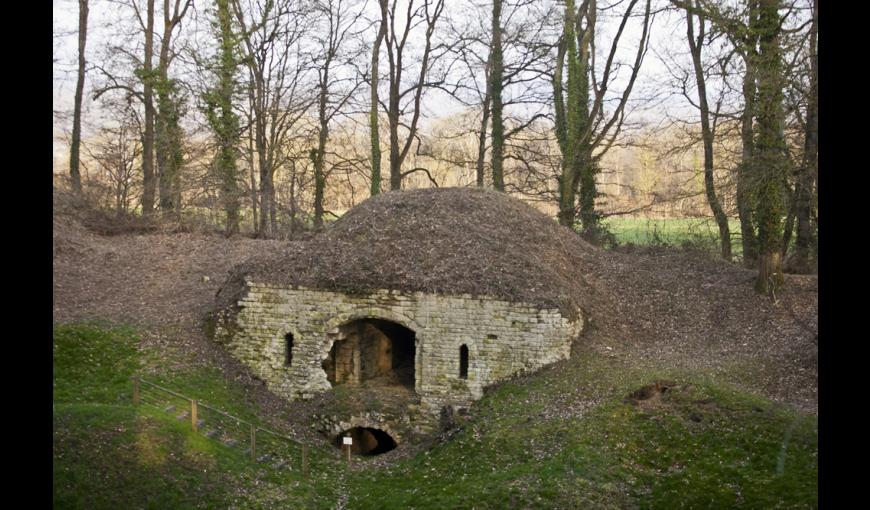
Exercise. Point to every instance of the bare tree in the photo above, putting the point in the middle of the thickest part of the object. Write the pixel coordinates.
(520, 32)
(339, 18)
(426, 13)
(581, 127)
(124, 70)
(168, 132)
(116, 150)
(707, 131)
(808, 171)
(271, 33)
(374, 130)
(75, 175)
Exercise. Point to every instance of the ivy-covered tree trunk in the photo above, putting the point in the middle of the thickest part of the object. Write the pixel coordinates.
(74, 172)
(770, 149)
(223, 120)
(170, 156)
(495, 88)
(149, 183)
(374, 132)
(569, 167)
(566, 195)
(578, 171)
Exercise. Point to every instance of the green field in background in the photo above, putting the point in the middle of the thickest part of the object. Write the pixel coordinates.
(697, 232)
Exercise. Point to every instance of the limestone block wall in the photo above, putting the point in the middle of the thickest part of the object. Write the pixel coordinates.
(502, 338)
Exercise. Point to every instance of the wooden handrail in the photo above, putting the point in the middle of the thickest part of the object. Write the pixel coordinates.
(228, 415)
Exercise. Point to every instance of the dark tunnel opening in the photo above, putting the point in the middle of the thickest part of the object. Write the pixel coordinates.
(367, 441)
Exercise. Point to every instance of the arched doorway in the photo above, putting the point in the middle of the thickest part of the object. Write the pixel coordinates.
(372, 352)
(366, 441)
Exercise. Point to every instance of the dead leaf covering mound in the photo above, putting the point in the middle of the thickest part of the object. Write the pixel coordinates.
(442, 240)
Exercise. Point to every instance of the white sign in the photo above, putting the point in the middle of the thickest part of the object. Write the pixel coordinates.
(347, 440)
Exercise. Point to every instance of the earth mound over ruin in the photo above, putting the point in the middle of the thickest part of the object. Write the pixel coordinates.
(441, 240)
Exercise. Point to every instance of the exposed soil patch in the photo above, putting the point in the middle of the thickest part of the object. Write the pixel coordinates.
(650, 393)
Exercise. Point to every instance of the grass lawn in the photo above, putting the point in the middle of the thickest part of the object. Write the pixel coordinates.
(698, 232)
(529, 443)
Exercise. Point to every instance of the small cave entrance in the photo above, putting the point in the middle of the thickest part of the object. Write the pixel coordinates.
(367, 441)
(372, 352)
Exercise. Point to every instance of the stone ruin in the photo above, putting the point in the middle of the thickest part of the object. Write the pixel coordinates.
(431, 348)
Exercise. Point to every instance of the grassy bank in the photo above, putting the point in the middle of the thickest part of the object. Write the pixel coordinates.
(110, 454)
(563, 438)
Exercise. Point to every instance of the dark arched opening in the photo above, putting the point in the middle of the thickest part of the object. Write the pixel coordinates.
(366, 441)
(288, 349)
(463, 362)
(372, 352)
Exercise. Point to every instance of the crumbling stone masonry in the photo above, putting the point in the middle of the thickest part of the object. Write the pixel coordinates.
(459, 344)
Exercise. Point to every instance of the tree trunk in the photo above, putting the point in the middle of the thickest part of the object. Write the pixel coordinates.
(566, 193)
(254, 192)
(319, 153)
(395, 160)
(578, 173)
(770, 149)
(169, 134)
(481, 141)
(265, 230)
(707, 134)
(374, 132)
(75, 143)
(225, 122)
(148, 178)
(746, 170)
(495, 88)
(570, 175)
(319, 178)
(788, 229)
(273, 210)
(803, 199)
